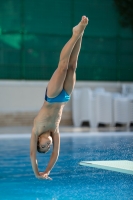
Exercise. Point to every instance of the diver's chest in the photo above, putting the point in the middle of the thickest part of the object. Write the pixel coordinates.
(48, 125)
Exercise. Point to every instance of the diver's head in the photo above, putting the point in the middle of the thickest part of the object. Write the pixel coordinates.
(44, 142)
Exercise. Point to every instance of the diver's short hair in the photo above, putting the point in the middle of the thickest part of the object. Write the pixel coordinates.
(39, 149)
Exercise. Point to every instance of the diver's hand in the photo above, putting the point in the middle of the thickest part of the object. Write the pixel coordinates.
(44, 175)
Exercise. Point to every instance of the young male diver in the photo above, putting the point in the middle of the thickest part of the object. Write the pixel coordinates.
(45, 131)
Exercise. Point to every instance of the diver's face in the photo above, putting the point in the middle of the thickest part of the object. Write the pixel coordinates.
(45, 143)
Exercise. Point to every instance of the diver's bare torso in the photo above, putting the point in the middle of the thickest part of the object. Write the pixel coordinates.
(48, 118)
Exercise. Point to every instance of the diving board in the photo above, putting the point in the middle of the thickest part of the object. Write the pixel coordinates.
(124, 166)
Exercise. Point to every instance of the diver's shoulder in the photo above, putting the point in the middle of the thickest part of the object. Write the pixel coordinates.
(34, 130)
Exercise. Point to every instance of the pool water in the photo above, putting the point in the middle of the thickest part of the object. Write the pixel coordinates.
(70, 180)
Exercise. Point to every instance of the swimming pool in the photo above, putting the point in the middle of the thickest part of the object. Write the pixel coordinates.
(70, 180)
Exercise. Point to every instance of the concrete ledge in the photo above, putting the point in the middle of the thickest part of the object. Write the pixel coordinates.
(27, 118)
(69, 130)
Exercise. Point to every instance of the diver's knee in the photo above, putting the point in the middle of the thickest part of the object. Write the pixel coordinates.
(73, 65)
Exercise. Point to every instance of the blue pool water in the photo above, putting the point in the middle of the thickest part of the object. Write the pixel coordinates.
(70, 180)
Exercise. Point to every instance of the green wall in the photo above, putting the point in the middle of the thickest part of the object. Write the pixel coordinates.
(32, 34)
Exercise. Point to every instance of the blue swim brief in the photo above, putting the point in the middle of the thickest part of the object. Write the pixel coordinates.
(62, 97)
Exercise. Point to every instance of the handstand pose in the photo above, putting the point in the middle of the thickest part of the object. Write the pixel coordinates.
(45, 130)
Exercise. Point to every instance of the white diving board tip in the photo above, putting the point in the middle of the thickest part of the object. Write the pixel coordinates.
(123, 166)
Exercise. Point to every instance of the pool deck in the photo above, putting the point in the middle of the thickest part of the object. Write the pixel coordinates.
(64, 129)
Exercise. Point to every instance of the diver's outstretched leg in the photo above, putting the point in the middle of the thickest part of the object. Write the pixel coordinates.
(56, 83)
(71, 72)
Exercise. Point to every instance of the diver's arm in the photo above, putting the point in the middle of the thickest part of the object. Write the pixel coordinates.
(55, 153)
(33, 148)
